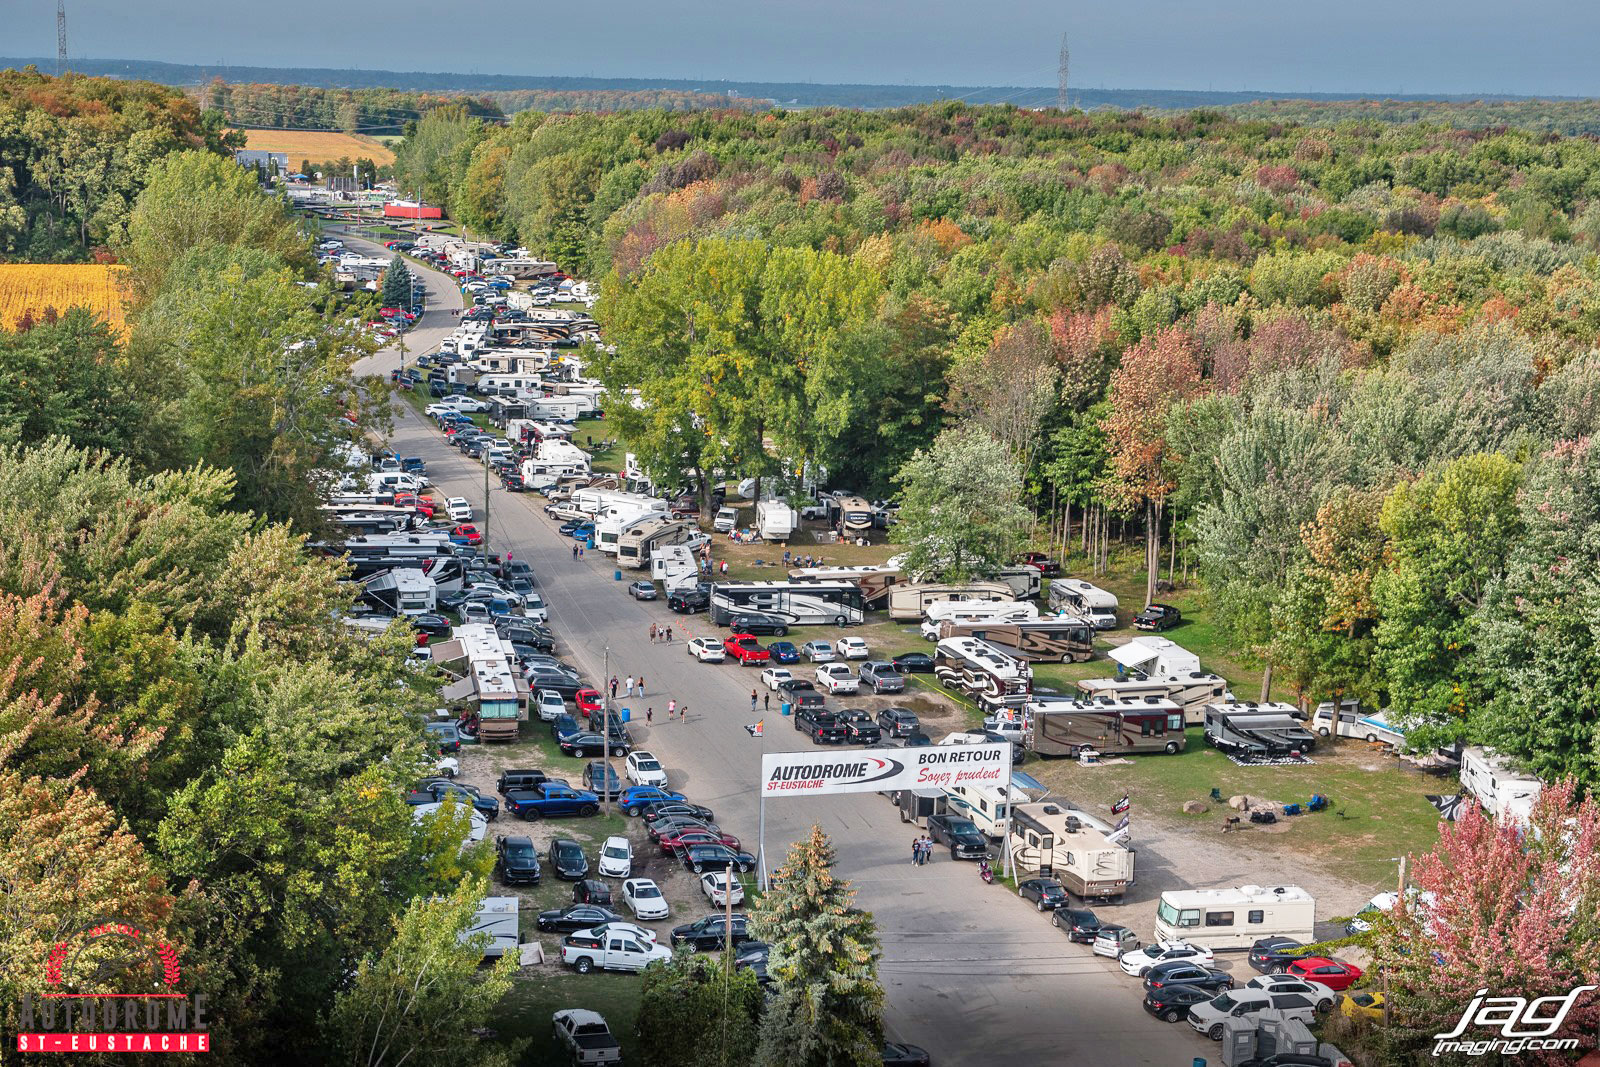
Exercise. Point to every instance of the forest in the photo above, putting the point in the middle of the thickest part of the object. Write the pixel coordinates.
(1347, 370)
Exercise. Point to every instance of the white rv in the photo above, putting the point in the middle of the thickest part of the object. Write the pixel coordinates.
(1080, 851)
(1347, 719)
(1191, 693)
(908, 602)
(560, 408)
(1237, 917)
(776, 520)
(611, 520)
(1499, 786)
(497, 917)
(970, 611)
(1155, 659)
(675, 567)
(1074, 596)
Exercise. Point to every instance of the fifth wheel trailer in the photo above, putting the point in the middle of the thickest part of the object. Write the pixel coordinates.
(1073, 847)
(1500, 787)
(776, 520)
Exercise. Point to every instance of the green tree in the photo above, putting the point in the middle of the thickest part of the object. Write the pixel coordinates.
(422, 998)
(64, 379)
(396, 285)
(824, 959)
(961, 512)
(698, 1010)
(1448, 535)
(1537, 632)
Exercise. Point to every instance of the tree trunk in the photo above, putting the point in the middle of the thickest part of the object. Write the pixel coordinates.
(703, 490)
(1172, 556)
(1266, 683)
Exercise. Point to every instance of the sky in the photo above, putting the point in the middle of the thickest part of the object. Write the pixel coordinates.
(1525, 47)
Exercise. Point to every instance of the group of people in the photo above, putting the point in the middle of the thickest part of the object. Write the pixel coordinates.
(921, 850)
(631, 686)
(800, 561)
(709, 568)
(660, 633)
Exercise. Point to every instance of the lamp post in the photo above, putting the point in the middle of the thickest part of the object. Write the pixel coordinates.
(605, 727)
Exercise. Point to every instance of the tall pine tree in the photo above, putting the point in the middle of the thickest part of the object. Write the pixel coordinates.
(397, 285)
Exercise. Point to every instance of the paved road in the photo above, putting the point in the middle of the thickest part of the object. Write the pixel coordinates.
(968, 970)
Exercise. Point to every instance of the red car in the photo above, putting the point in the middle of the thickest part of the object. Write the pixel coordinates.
(677, 839)
(410, 500)
(588, 701)
(745, 649)
(1331, 973)
(467, 534)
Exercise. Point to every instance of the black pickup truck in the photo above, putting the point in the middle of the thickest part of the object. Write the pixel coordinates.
(822, 725)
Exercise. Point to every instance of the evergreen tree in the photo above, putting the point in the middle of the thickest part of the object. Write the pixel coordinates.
(397, 285)
(696, 1011)
(824, 958)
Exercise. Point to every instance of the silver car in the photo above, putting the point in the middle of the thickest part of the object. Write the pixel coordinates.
(818, 651)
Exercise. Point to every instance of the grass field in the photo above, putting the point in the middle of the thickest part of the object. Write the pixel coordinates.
(319, 146)
(33, 287)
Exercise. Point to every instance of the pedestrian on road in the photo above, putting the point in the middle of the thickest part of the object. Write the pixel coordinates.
(672, 709)
(641, 685)
(580, 551)
(627, 687)
(683, 713)
(574, 550)
(649, 713)
(927, 848)
(916, 851)
(766, 701)
(613, 687)
(752, 701)
(669, 635)
(652, 633)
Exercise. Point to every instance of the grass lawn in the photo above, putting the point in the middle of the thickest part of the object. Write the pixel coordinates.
(525, 1012)
(1385, 813)
(606, 461)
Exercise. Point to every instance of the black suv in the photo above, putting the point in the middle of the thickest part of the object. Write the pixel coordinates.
(821, 724)
(1272, 955)
(516, 861)
(527, 778)
(1157, 617)
(899, 722)
(960, 835)
(710, 933)
(753, 622)
(689, 601)
(518, 632)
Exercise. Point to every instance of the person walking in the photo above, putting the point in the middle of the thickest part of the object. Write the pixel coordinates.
(669, 635)
(766, 701)
(652, 633)
(574, 551)
(683, 713)
(613, 687)
(672, 709)
(641, 685)
(916, 851)
(927, 849)
(627, 686)
(752, 701)
(649, 713)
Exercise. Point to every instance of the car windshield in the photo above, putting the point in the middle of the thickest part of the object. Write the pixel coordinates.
(519, 851)
(569, 852)
(617, 852)
(1224, 1003)
(646, 890)
(649, 765)
(963, 827)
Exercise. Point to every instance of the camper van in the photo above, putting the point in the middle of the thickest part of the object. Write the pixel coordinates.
(1192, 693)
(1072, 846)
(497, 917)
(1346, 719)
(1059, 639)
(1106, 725)
(1257, 730)
(776, 520)
(974, 611)
(982, 672)
(1237, 917)
(911, 601)
(1074, 596)
(1498, 785)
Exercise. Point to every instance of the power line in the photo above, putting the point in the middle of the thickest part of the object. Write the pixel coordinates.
(1062, 97)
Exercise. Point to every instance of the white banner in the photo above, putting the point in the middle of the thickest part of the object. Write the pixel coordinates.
(804, 774)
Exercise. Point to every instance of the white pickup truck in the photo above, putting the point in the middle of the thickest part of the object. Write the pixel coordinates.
(837, 678)
(586, 1035)
(588, 949)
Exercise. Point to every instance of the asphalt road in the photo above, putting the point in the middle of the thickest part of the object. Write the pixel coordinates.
(968, 970)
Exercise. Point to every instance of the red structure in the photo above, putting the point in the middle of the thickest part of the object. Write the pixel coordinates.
(410, 209)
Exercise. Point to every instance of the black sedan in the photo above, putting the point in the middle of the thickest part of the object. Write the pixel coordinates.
(710, 933)
(1047, 894)
(753, 622)
(1079, 924)
(670, 824)
(1183, 972)
(575, 917)
(432, 625)
(657, 810)
(567, 860)
(899, 1055)
(591, 745)
(702, 858)
(960, 834)
(913, 663)
(592, 891)
(1157, 617)
(1172, 1003)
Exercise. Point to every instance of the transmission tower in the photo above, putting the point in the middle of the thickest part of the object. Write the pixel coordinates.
(61, 37)
(1062, 100)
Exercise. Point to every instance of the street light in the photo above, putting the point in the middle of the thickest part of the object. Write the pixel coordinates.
(605, 728)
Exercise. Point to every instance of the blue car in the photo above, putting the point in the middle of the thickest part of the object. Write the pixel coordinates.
(633, 800)
(413, 465)
(584, 532)
(784, 652)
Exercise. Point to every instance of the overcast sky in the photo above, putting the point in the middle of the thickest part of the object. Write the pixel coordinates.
(1414, 46)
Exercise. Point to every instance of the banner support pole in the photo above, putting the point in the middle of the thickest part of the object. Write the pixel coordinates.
(761, 841)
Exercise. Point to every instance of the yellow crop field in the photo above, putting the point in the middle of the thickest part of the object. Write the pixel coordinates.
(319, 146)
(33, 287)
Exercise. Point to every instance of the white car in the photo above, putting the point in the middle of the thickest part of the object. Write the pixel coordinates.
(837, 678)
(851, 648)
(707, 650)
(468, 404)
(644, 898)
(645, 769)
(818, 651)
(616, 858)
(441, 408)
(1141, 960)
(716, 885)
(1207, 1018)
(458, 509)
(551, 706)
(773, 677)
(533, 607)
(1321, 996)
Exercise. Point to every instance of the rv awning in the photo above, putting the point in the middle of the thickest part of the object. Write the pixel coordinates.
(460, 690)
(448, 651)
(1019, 780)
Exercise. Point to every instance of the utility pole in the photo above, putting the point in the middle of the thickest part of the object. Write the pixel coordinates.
(61, 37)
(485, 542)
(1063, 100)
(605, 728)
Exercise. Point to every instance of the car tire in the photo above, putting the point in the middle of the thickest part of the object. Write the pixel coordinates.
(1323, 731)
(699, 868)
(1038, 905)
(744, 868)
(1278, 968)
(633, 812)
(587, 810)
(838, 620)
(1172, 748)
(1215, 1033)
(530, 815)
(781, 631)
(583, 965)
(1323, 1007)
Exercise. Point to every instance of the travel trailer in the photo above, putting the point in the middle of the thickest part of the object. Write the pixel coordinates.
(612, 519)
(875, 582)
(1257, 731)
(1497, 784)
(909, 601)
(639, 542)
(1074, 596)
(675, 567)
(1236, 917)
(776, 520)
(497, 917)
(1080, 851)
(1107, 725)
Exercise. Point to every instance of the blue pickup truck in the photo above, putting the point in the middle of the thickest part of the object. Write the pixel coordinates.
(551, 798)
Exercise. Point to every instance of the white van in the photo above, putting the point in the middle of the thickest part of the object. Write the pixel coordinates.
(1236, 917)
(1346, 719)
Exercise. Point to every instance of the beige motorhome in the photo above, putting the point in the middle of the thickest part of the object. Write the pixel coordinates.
(1075, 848)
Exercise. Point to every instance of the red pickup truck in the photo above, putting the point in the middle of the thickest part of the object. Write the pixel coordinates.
(745, 649)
